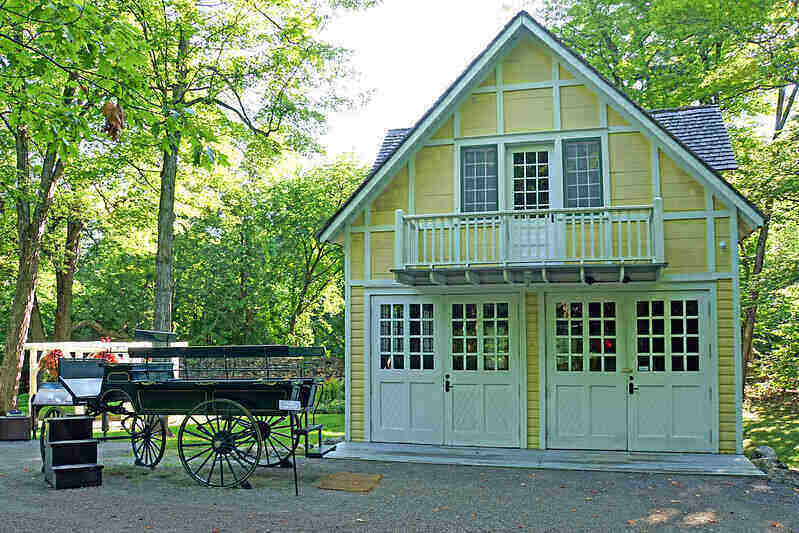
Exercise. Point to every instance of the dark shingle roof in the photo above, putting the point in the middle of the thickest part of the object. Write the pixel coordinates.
(702, 130)
(390, 143)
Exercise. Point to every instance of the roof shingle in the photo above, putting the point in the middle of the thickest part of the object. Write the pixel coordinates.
(702, 130)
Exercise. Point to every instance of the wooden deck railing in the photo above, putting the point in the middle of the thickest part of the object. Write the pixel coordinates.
(598, 235)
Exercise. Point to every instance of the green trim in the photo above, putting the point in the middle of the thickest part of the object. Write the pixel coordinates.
(463, 169)
(565, 169)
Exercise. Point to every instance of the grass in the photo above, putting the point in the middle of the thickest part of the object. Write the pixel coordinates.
(774, 422)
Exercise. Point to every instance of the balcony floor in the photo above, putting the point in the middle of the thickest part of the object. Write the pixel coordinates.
(528, 274)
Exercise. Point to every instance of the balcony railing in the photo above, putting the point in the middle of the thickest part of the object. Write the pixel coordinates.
(607, 235)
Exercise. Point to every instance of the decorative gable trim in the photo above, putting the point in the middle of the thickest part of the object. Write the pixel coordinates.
(470, 77)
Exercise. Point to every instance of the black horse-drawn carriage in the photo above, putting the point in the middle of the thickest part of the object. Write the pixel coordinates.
(242, 406)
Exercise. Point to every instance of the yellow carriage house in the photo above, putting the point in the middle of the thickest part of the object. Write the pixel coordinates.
(540, 263)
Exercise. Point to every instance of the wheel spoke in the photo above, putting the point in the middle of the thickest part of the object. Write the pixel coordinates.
(195, 472)
(201, 427)
(235, 477)
(200, 453)
(211, 473)
(203, 437)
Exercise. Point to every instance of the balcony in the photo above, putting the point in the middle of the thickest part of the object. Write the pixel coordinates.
(608, 244)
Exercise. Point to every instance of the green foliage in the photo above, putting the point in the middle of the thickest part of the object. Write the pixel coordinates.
(333, 396)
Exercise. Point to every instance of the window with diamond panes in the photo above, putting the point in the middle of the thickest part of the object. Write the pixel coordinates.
(684, 335)
(569, 336)
(392, 336)
(464, 337)
(480, 179)
(495, 336)
(420, 336)
(583, 173)
(601, 336)
(531, 180)
(650, 335)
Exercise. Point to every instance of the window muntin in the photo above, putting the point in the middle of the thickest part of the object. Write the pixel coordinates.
(530, 171)
(479, 180)
(480, 333)
(583, 173)
(406, 336)
(667, 335)
(586, 330)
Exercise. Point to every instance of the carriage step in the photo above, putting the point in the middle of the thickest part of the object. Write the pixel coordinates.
(320, 451)
(307, 429)
(70, 442)
(74, 476)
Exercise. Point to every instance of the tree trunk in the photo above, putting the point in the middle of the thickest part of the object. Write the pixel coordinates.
(36, 332)
(747, 334)
(162, 316)
(65, 278)
(30, 230)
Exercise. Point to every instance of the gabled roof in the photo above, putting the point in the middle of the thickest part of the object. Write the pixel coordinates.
(702, 129)
(397, 148)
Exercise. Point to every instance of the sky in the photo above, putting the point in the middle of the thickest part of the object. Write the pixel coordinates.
(407, 53)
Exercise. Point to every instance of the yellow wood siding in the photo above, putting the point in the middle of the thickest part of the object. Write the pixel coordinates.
(382, 248)
(684, 243)
(681, 192)
(479, 115)
(447, 131)
(394, 196)
(528, 110)
(527, 63)
(433, 180)
(579, 108)
(356, 256)
(630, 178)
(531, 317)
(358, 220)
(723, 256)
(727, 436)
(564, 74)
(357, 375)
(615, 119)
(718, 204)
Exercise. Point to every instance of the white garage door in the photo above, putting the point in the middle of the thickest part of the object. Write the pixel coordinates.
(446, 370)
(631, 372)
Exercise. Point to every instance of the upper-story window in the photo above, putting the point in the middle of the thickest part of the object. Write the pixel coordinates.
(480, 186)
(583, 172)
(530, 179)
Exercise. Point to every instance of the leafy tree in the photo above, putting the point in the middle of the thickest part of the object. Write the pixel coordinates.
(58, 75)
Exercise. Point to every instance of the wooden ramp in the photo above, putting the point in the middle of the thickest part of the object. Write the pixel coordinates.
(606, 461)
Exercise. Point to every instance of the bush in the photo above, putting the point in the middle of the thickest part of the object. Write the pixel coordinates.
(332, 400)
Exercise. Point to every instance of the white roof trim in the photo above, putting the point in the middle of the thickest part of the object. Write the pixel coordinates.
(676, 151)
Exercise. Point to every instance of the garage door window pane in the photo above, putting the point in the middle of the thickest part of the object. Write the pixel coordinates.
(392, 340)
(684, 335)
(421, 337)
(650, 340)
(569, 336)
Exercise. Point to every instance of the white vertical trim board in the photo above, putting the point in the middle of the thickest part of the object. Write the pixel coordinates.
(500, 98)
(367, 243)
(556, 122)
(654, 161)
(523, 368)
(542, 371)
(605, 148)
(456, 180)
(367, 366)
(411, 184)
(347, 333)
(603, 113)
(710, 232)
(736, 321)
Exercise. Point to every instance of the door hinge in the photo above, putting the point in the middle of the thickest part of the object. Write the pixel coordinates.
(710, 351)
(710, 431)
(710, 394)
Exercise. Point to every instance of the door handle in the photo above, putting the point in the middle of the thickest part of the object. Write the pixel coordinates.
(447, 385)
(632, 388)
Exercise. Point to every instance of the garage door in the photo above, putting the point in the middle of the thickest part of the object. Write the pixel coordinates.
(446, 370)
(631, 372)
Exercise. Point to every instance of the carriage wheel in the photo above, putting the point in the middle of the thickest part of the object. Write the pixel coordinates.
(278, 442)
(53, 412)
(219, 443)
(148, 439)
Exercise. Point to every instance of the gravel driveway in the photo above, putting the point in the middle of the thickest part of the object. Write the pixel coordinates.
(411, 497)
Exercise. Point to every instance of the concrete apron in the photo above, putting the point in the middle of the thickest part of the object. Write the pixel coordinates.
(605, 461)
